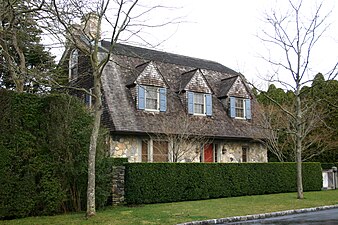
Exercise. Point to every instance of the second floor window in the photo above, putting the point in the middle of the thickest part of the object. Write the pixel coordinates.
(152, 98)
(240, 108)
(199, 103)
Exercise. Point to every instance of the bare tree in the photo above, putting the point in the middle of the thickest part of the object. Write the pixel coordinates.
(183, 133)
(125, 22)
(294, 34)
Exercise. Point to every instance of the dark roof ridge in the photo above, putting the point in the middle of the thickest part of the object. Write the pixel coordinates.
(190, 71)
(142, 64)
(229, 77)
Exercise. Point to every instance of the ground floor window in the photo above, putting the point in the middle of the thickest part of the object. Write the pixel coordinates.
(155, 151)
(245, 154)
(160, 151)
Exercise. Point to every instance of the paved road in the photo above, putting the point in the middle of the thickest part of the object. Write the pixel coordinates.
(326, 217)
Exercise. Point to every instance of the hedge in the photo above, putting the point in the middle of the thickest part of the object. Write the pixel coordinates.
(170, 182)
(44, 145)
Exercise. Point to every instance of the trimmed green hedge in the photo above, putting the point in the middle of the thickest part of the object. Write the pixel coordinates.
(170, 182)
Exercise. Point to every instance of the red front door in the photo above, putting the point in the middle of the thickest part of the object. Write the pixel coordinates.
(208, 153)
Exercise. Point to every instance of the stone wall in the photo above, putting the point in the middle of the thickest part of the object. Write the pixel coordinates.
(130, 147)
(126, 147)
(118, 185)
(233, 152)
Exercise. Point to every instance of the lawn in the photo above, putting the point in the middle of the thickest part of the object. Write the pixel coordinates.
(178, 212)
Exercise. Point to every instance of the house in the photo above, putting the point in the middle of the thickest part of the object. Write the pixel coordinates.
(163, 107)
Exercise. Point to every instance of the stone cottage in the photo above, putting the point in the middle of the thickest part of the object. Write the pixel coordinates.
(163, 107)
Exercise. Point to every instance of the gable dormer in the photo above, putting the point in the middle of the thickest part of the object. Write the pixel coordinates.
(150, 75)
(195, 81)
(198, 93)
(235, 97)
(151, 88)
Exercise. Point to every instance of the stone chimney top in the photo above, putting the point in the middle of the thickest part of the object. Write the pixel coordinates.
(89, 23)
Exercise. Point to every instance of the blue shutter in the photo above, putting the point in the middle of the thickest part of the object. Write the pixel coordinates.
(232, 107)
(190, 102)
(208, 103)
(141, 97)
(248, 109)
(163, 99)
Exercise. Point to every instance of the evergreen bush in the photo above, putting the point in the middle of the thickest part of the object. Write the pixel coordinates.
(170, 182)
(44, 144)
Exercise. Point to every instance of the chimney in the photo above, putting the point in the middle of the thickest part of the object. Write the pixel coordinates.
(89, 24)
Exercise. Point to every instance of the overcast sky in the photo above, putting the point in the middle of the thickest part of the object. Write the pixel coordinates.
(226, 31)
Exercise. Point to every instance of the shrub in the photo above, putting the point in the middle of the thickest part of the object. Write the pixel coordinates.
(169, 182)
(44, 144)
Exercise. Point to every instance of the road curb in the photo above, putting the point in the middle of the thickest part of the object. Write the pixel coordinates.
(258, 216)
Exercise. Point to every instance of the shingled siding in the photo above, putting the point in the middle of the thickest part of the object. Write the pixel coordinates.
(229, 151)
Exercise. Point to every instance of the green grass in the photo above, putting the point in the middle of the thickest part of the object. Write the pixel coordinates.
(172, 213)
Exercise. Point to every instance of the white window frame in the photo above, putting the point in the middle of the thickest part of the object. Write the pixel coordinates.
(244, 108)
(157, 98)
(204, 105)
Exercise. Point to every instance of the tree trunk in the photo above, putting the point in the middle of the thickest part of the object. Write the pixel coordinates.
(93, 144)
(300, 194)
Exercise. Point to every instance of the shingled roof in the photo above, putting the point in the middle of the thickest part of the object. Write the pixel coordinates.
(122, 116)
(165, 57)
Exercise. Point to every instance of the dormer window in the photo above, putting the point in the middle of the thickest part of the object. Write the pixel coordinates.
(199, 103)
(151, 98)
(240, 108)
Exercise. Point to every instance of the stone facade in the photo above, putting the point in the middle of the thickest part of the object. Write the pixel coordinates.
(126, 147)
(233, 152)
(226, 152)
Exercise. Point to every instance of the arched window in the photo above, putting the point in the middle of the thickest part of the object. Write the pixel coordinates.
(73, 64)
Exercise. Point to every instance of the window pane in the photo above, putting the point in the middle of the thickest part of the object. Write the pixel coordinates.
(198, 98)
(151, 104)
(160, 151)
(144, 151)
(198, 108)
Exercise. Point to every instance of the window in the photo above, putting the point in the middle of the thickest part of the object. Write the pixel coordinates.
(152, 98)
(73, 64)
(160, 151)
(199, 103)
(240, 108)
(244, 154)
(155, 151)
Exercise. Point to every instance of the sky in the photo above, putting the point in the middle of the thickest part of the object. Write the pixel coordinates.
(226, 32)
